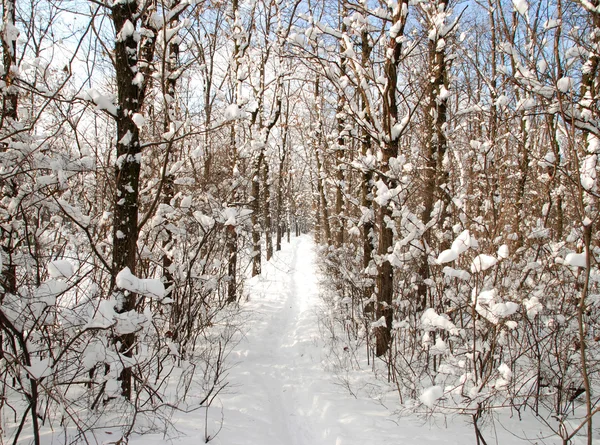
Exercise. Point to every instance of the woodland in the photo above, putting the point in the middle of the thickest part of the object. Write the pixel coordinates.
(155, 154)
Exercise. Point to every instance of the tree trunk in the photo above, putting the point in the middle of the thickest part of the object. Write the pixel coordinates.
(10, 95)
(267, 211)
(255, 218)
(435, 148)
(169, 86)
(9, 115)
(127, 172)
(281, 181)
(367, 180)
(390, 149)
(232, 236)
(340, 149)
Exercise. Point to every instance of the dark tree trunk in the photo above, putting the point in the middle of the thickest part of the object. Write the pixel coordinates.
(435, 150)
(281, 183)
(10, 95)
(9, 115)
(169, 87)
(127, 171)
(367, 180)
(267, 211)
(255, 218)
(385, 272)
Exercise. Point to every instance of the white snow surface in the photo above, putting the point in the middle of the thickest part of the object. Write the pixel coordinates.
(281, 392)
(461, 244)
(447, 256)
(60, 269)
(482, 262)
(148, 287)
(233, 112)
(431, 395)
(575, 260)
(521, 6)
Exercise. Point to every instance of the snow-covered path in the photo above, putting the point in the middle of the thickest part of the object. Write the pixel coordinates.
(280, 393)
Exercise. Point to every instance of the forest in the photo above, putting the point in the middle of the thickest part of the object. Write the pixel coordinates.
(156, 154)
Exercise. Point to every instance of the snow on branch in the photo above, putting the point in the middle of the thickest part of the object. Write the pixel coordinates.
(148, 287)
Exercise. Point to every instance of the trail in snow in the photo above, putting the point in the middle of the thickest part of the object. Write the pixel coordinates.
(281, 394)
(278, 391)
(284, 396)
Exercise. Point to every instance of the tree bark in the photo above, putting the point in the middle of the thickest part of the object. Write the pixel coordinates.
(9, 115)
(390, 149)
(255, 218)
(435, 148)
(325, 224)
(169, 89)
(232, 235)
(127, 170)
(267, 212)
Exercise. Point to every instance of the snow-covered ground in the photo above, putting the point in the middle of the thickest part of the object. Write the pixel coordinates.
(280, 392)
(283, 395)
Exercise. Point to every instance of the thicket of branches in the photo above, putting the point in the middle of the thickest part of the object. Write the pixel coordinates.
(154, 153)
(461, 161)
(133, 140)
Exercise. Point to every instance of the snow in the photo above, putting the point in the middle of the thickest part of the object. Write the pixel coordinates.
(431, 320)
(49, 290)
(126, 140)
(171, 133)
(282, 389)
(447, 256)
(11, 32)
(354, 231)
(533, 306)
(504, 309)
(549, 160)
(379, 323)
(440, 347)
(487, 296)
(588, 172)
(126, 31)
(575, 260)
(39, 368)
(384, 195)
(102, 101)
(186, 202)
(503, 252)
(431, 395)
(232, 112)
(482, 262)
(399, 127)
(281, 392)
(152, 288)
(60, 269)
(491, 309)
(138, 120)
(505, 371)
(461, 244)
(138, 80)
(456, 273)
(205, 221)
(395, 29)
(564, 84)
